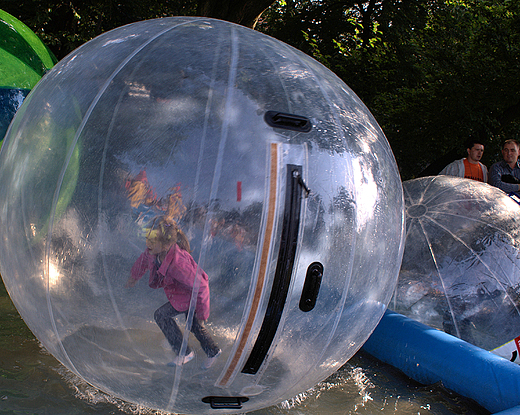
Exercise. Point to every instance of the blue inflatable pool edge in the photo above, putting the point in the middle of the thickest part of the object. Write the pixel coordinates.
(510, 411)
(429, 356)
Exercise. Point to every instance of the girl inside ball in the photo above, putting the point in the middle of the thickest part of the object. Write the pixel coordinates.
(167, 257)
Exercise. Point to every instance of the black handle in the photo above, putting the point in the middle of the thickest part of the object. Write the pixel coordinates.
(225, 402)
(288, 121)
(311, 287)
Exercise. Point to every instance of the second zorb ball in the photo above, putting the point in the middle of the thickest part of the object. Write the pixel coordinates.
(461, 263)
(244, 182)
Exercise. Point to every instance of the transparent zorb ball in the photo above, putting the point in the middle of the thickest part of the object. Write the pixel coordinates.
(461, 263)
(271, 168)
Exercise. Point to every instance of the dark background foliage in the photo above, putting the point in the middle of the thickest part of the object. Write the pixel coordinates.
(433, 72)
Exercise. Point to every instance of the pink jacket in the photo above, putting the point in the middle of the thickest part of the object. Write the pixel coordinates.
(176, 275)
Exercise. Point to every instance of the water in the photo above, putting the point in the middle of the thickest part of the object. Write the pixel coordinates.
(32, 382)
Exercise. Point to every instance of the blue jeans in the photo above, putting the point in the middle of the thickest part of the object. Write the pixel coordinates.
(164, 318)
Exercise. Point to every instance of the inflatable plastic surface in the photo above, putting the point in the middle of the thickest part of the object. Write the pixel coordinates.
(24, 60)
(461, 264)
(191, 173)
(430, 356)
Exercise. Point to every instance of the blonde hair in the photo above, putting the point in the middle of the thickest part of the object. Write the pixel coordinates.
(168, 233)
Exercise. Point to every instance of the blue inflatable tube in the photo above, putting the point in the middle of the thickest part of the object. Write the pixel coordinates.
(510, 411)
(429, 356)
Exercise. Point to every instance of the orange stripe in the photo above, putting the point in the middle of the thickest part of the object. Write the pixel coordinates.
(263, 266)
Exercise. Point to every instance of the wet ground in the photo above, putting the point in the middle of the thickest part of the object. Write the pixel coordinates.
(32, 382)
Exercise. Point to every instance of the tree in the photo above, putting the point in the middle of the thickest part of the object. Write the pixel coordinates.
(433, 72)
(64, 26)
(243, 12)
(466, 58)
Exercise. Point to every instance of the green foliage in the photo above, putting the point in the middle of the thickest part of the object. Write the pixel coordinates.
(433, 72)
(66, 25)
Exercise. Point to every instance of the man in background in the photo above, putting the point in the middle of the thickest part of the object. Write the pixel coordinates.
(469, 167)
(506, 173)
